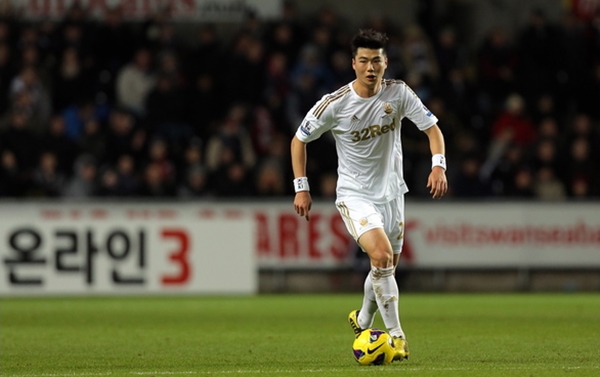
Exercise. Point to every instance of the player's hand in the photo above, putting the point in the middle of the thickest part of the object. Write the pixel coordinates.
(303, 203)
(437, 182)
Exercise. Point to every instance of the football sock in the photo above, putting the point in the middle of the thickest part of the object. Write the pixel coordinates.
(386, 295)
(366, 315)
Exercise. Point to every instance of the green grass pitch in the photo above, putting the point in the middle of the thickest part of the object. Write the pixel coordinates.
(296, 335)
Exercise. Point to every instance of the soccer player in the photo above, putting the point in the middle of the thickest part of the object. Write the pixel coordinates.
(364, 117)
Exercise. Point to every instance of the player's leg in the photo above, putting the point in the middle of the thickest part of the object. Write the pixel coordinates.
(366, 315)
(377, 245)
(360, 216)
(383, 266)
(394, 215)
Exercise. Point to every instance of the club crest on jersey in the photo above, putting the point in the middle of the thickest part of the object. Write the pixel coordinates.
(387, 108)
(363, 221)
(427, 111)
(306, 128)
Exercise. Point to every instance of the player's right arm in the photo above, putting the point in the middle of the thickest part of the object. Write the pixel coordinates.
(318, 120)
(302, 200)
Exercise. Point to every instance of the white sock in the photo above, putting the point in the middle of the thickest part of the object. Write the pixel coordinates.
(386, 295)
(366, 315)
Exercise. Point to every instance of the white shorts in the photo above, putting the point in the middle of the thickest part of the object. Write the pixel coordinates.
(360, 216)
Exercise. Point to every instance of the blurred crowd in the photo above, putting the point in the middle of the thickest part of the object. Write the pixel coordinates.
(110, 108)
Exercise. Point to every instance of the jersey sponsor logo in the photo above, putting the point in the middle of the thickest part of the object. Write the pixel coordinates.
(372, 131)
(306, 128)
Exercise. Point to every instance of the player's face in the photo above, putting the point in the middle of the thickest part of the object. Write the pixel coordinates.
(369, 65)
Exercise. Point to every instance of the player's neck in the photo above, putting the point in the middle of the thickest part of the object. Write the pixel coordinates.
(365, 91)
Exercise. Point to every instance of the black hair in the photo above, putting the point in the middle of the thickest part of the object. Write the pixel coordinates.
(369, 38)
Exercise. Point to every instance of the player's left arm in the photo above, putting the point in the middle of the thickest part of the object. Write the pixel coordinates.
(437, 182)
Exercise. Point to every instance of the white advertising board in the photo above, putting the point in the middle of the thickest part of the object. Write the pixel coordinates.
(123, 248)
(440, 235)
(219, 248)
(545, 235)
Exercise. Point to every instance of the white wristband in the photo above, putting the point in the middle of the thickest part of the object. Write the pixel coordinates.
(301, 184)
(438, 160)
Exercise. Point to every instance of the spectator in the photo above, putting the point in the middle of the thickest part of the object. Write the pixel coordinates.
(547, 186)
(123, 137)
(450, 54)
(158, 156)
(109, 184)
(195, 184)
(512, 124)
(460, 95)
(127, 181)
(233, 140)
(522, 185)
(208, 44)
(93, 141)
(77, 115)
(545, 155)
(154, 184)
(467, 183)
(327, 185)
(278, 88)
(192, 157)
(29, 95)
(275, 160)
(232, 179)
(204, 106)
(304, 94)
(47, 179)
(581, 170)
(497, 65)
(70, 81)
(246, 65)
(582, 126)
(165, 114)
(269, 179)
(134, 82)
(56, 141)
(7, 72)
(311, 66)
(548, 129)
(419, 54)
(20, 140)
(282, 40)
(12, 182)
(83, 183)
(508, 176)
(341, 71)
(545, 108)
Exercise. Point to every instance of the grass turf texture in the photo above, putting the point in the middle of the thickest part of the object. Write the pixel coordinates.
(296, 335)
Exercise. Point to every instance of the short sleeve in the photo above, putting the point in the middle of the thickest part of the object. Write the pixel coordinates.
(317, 121)
(416, 111)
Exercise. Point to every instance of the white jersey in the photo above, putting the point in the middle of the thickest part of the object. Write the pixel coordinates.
(367, 136)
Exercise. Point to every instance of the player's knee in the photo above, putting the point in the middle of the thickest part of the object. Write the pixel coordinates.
(382, 258)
